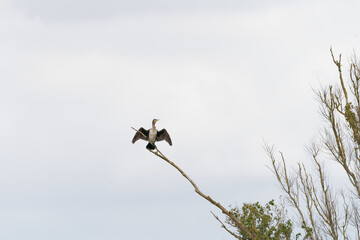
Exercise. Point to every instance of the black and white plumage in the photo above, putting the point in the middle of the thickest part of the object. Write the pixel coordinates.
(152, 135)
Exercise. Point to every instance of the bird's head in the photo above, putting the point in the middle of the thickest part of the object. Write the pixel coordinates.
(154, 121)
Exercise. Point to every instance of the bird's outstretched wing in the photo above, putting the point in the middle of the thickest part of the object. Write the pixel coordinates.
(138, 135)
(163, 135)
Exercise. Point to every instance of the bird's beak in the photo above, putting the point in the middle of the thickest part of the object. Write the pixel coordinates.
(157, 120)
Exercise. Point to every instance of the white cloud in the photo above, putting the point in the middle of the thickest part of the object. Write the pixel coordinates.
(70, 90)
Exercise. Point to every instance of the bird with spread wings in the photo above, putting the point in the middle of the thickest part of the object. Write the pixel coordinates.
(152, 135)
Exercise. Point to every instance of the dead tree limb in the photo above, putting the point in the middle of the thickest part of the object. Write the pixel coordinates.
(238, 223)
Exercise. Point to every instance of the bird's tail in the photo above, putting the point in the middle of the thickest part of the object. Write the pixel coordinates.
(150, 146)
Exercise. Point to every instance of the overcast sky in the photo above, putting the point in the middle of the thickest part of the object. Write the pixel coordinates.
(222, 77)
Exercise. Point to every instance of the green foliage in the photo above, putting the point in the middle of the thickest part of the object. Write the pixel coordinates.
(264, 222)
(308, 232)
(353, 122)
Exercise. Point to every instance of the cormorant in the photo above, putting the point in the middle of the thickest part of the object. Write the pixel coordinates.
(152, 135)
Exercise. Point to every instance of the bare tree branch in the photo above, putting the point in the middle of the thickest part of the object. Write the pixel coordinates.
(310, 192)
(238, 223)
(223, 226)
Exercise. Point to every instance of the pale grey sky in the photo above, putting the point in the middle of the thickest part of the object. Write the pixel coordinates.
(76, 75)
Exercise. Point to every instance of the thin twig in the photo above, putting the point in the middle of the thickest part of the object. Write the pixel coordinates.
(139, 132)
(223, 226)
